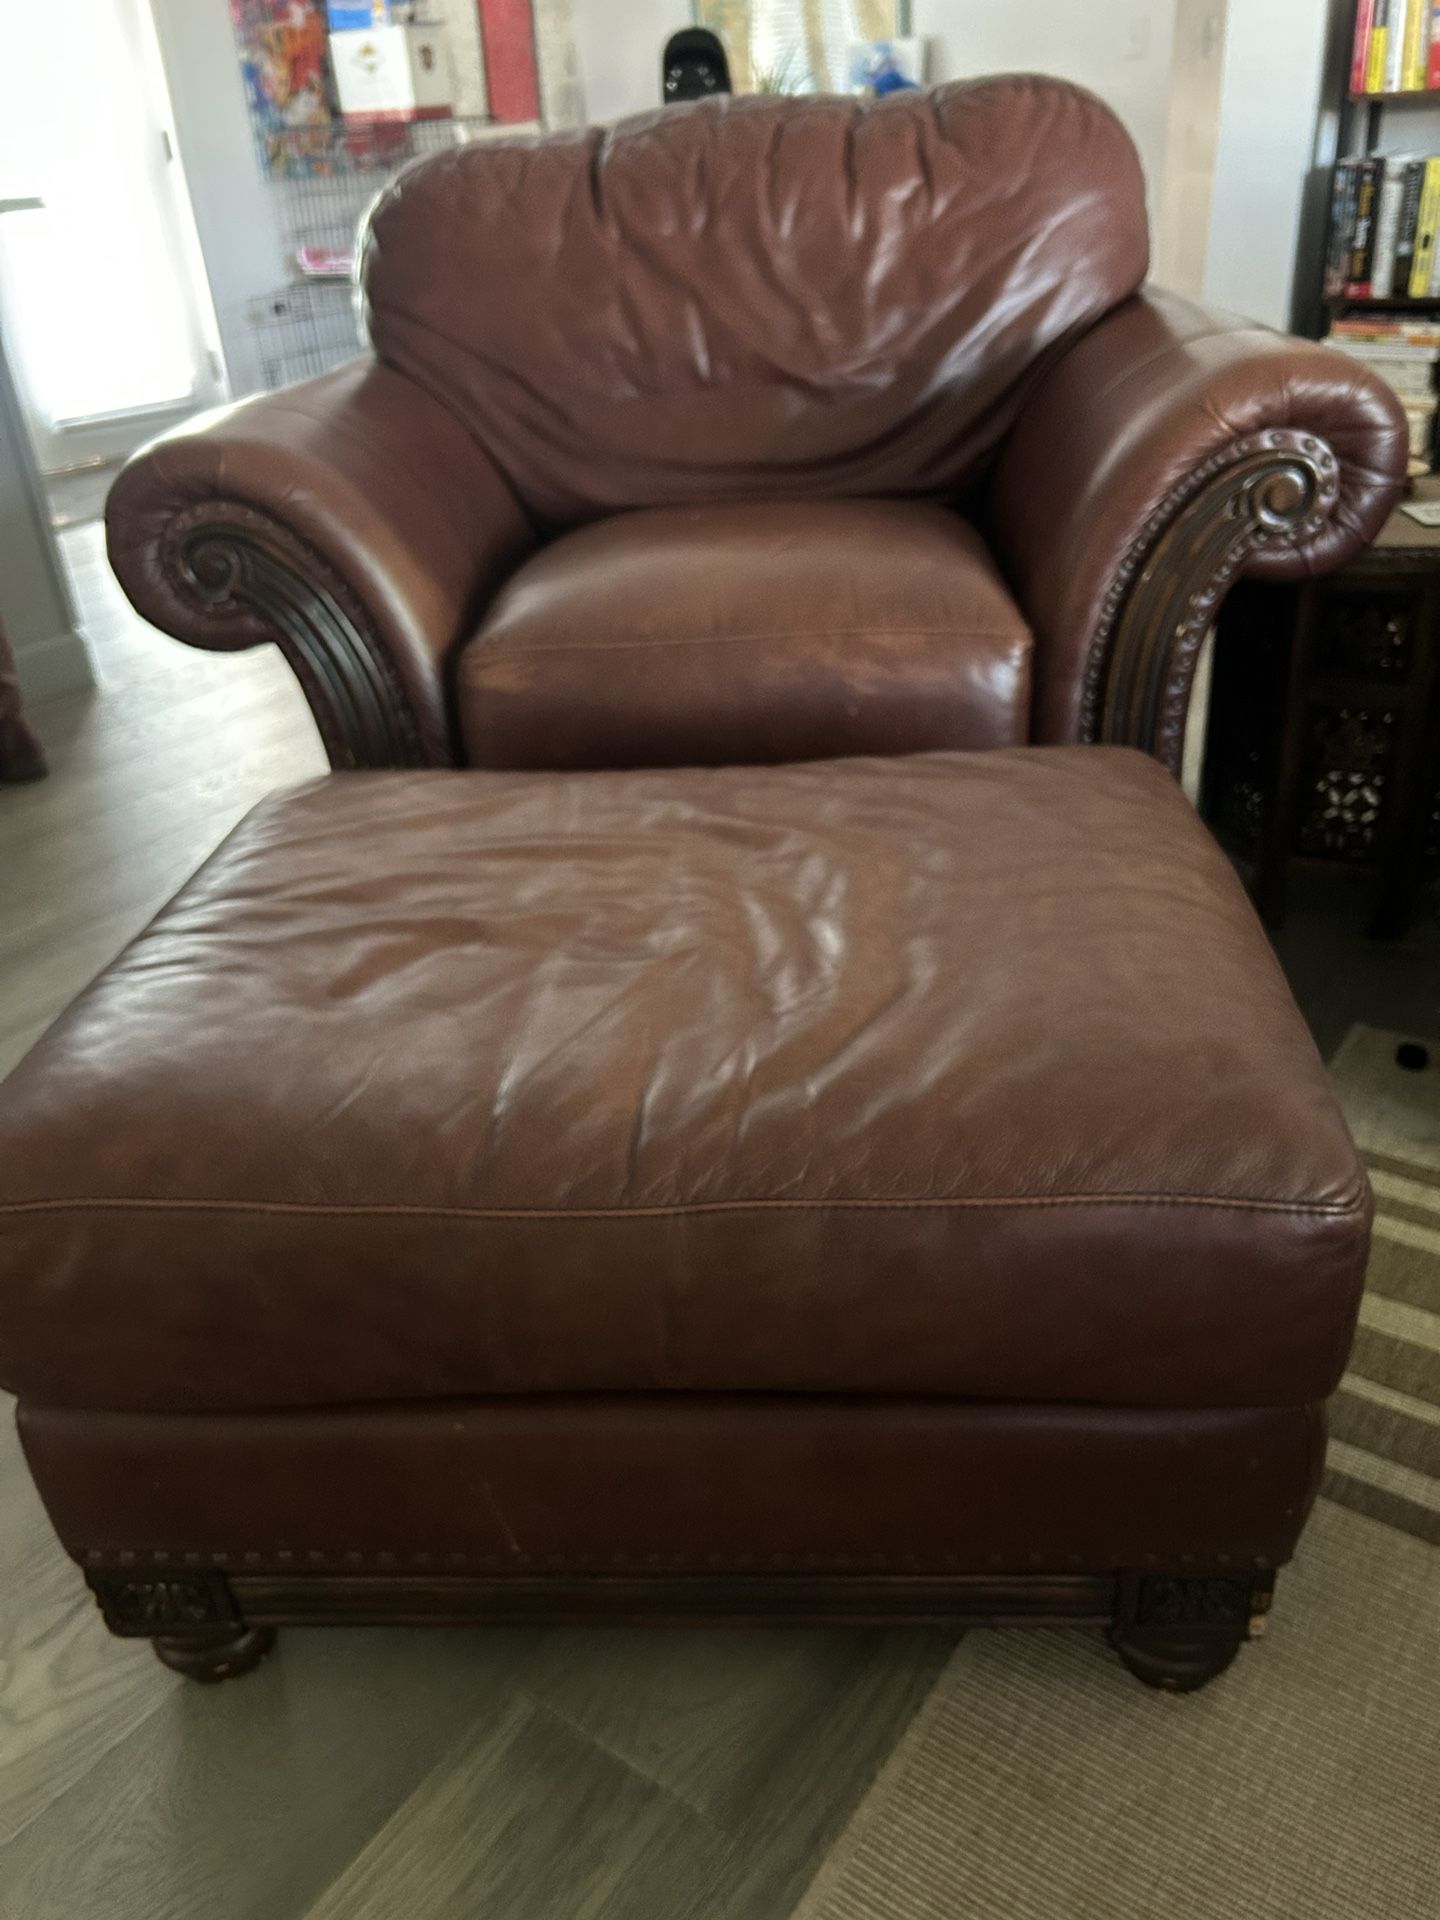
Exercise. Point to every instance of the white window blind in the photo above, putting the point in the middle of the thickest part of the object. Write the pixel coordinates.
(795, 46)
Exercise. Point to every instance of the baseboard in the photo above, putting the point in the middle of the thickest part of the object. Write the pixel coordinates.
(50, 668)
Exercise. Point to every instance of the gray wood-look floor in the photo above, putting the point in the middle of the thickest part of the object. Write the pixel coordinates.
(426, 1774)
(149, 772)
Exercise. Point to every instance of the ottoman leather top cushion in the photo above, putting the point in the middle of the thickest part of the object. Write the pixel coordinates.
(964, 1073)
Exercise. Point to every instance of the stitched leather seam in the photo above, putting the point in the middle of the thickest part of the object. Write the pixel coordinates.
(500, 646)
(137, 1204)
(698, 1560)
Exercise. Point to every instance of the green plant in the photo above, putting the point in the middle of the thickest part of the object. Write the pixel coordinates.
(788, 74)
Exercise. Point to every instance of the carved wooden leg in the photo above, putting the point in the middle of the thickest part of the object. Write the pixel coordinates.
(224, 1653)
(1176, 1633)
(190, 1618)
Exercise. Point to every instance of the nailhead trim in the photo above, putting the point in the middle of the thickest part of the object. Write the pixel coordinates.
(388, 1561)
(1191, 631)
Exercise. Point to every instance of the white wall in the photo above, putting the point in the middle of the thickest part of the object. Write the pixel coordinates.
(1120, 49)
(562, 98)
(1181, 223)
(1269, 106)
(618, 48)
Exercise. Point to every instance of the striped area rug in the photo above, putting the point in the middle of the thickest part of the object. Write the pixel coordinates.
(1384, 1455)
(1036, 1784)
(1039, 1782)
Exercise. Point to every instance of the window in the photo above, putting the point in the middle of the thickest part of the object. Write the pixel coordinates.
(95, 297)
(797, 46)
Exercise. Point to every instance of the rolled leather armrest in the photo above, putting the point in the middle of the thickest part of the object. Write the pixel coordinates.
(1166, 453)
(349, 518)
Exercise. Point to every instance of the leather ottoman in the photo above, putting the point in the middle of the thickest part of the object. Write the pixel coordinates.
(864, 1191)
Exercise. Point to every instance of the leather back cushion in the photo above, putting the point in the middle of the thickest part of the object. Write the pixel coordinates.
(756, 296)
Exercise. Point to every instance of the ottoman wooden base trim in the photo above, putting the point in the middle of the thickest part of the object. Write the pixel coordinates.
(1172, 1630)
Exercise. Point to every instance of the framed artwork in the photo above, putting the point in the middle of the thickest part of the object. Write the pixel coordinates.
(284, 57)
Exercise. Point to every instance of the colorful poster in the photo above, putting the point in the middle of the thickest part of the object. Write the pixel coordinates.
(284, 56)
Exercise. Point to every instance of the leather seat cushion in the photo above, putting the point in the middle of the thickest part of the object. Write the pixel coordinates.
(756, 632)
(962, 1074)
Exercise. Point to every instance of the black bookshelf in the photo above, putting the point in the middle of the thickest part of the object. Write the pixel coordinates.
(1362, 126)
(1362, 121)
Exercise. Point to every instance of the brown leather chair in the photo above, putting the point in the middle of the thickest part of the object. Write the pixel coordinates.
(762, 430)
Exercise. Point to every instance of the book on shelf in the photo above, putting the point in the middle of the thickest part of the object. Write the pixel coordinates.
(1360, 58)
(1337, 243)
(1414, 50)
(1400, 11)
(1387, 228)
(1412, 179)
(1388, 330)
(1423, 261)
(1369, 173)
(1396, 48)
(1384, 226)
(1409, 370)
(1377, 45)
(1403, 352)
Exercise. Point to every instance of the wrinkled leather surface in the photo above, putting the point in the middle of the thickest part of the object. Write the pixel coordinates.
(757, 300)
(791, 298)
(636, 1483)
(785, 630)
(368, 472)
(959, 1073)
(1130, 414)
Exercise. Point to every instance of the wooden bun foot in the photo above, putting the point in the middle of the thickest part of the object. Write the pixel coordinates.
(1175, 1662)
(223, 1654)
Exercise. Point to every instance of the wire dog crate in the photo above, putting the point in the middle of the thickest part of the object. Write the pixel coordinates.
(301, 330)
(322, 181)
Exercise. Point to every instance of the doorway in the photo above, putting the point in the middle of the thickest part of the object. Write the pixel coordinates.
(106, 325)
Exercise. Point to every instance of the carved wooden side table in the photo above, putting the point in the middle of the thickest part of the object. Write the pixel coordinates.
(1323, 742)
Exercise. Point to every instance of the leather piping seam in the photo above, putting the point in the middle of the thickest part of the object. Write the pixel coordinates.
(1323, 1209)
(700, 1561)
(498, 646)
